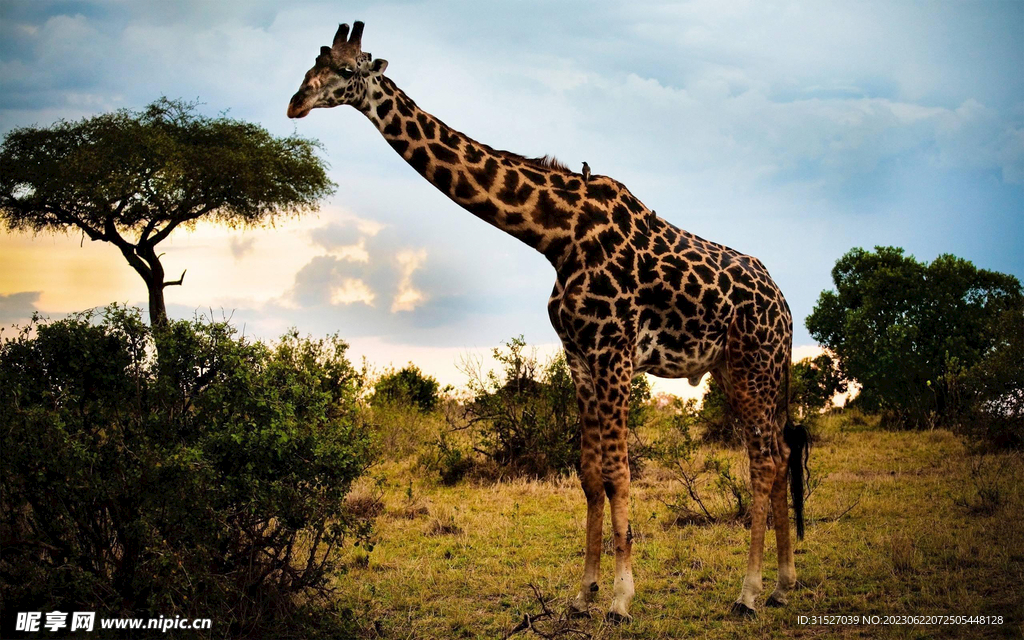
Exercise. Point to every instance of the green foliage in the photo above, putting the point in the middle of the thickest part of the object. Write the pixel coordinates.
(813, 382)
(450, 460)
(712, 491)
(714, 418)
(993, 389)
(526, 419)
(210, 483)
(408, 386)
(145, 173)
(902, 328)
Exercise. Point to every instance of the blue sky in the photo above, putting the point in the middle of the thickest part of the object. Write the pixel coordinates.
(792, 131)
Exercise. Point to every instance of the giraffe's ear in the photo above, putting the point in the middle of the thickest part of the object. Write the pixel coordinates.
(378, 66)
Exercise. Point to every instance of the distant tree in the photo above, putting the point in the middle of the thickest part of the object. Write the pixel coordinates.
(993, 389)
(407, 386)
(131, 178)
(903, 329)
(814, 382)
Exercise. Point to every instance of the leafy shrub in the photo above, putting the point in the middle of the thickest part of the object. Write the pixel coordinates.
(813, 382)
(449, 460)
(401, 430)
(992, 391)
(525, 420)
(208, 482)
(407, 387)
(714, 419)
(713, 491)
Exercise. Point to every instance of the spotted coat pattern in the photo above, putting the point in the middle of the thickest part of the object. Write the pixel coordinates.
(632, 294)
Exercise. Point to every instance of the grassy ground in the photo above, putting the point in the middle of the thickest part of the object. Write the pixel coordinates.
(927, 530)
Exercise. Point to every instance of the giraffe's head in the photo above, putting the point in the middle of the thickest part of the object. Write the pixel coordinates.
(340, 76)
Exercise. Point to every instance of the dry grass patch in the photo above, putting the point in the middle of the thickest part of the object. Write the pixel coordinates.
(465, 568)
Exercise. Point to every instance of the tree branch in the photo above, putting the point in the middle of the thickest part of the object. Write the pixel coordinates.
(65, 216)
(171, 283)
(166, 231)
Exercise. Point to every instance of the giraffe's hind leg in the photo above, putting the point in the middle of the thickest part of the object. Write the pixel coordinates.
(753, 386)
(783, 539)
(762, 477)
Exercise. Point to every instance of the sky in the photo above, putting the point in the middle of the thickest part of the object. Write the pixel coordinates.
(792, 131)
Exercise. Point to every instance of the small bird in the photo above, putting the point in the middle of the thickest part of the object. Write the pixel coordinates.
(651, 218)
(586, 172)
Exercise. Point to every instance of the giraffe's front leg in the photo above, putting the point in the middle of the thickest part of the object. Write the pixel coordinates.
(590, 477)
(592, 488)
(622, 535)
(613, 401)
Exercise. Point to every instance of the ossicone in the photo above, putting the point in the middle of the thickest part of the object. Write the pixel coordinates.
(342, 37)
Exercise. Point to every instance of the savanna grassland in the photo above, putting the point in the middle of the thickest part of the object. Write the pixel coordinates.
(899, 523)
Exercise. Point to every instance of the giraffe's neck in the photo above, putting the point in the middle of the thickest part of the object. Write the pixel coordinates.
(525, 198)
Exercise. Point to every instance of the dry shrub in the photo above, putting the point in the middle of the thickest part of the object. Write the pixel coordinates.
(443, 524)
(903, 554)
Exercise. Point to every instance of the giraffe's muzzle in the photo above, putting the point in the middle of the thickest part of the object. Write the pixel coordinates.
(300, 106)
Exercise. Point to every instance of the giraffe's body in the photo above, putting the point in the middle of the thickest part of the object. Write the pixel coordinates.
(632, 294)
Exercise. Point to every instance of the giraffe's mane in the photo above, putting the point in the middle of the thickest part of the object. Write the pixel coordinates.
(547, 162)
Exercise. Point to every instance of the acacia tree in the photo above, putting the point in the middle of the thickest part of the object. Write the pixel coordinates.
(905, 329)
(130, 178)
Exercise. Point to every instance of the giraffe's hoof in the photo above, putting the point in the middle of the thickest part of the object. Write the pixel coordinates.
(574, 614)
(614, 617)
(741, 610)
(776, 600)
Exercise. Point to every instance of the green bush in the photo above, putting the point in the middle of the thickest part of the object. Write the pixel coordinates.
(714, 418)
(905, 330)
(713, 491)
(206, 482)
(408, 387)
(813, 382)
(526, 419)
(992, 391)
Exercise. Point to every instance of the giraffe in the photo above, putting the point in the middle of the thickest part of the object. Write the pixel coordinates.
(632, 294)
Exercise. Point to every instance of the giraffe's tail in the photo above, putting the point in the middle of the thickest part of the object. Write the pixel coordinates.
(795, 436)
(797, 439)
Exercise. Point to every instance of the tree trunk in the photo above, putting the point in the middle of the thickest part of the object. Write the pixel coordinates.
(154, 278)
(157, 307)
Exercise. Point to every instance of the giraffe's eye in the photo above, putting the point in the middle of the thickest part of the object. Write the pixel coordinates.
(345, 73)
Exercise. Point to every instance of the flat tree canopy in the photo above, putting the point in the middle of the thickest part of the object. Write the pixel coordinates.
(131, 177)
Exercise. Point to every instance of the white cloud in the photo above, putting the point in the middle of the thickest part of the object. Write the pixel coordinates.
(408, 296)
(352, 252)
(352, 290)
(240, 247)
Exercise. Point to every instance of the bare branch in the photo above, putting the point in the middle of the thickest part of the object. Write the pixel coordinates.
(172, 283)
